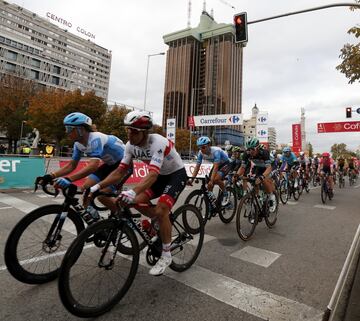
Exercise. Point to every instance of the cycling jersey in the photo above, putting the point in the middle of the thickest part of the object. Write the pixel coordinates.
(326, 163)
(260, 162)
(158, 152)
(217, 155)
(290, 161)
(303, 162)
(108, 148)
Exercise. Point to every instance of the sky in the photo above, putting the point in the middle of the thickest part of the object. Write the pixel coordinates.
(289, 63)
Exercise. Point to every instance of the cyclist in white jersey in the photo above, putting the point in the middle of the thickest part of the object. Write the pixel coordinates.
(166, 179)
(220, 168)
(96, 146)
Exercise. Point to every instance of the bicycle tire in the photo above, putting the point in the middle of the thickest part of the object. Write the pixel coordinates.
(323, 194)
(77, 281)
(247, 200)
(283, 192)
(296, 190)
(184, 239)
(271, 217)
(231, 207)
(17, 266)
(202, 203)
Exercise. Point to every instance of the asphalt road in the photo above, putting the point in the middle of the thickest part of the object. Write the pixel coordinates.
(286, 273)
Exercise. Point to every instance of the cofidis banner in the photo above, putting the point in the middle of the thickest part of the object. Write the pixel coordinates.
(20, 172)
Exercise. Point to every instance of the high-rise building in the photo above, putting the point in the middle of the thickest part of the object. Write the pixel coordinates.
(32, 47)
(272, 138)
(203, 75)
(303, 133)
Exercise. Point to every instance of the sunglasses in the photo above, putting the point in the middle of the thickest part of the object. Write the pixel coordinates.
(134, 130)
(69, 129)
(203, 147)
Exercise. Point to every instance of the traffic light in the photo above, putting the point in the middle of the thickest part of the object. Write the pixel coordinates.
(240, 23)
(348, 112)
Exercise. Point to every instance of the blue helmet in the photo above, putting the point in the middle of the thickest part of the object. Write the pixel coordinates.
(286, 149)
(77, 119)
(203, 140)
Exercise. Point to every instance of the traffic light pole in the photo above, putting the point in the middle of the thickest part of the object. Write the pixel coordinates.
(307, 10)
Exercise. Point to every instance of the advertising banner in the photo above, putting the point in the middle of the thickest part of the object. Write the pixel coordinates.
(20, 172)
(296, 137)
(262, 131)
(346, 126)
(217, 120)
(141, 171)
(262, 118)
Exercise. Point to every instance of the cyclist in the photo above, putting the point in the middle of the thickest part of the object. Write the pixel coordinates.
(220, 168)
(261, 168)
(340, 167)
(326, 167)
(289, 161)
(166, 179)
(304, 164)
(229, 150)
(97, 146)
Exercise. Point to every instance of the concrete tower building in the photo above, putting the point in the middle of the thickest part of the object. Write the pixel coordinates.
(203, 75)
(303, 134)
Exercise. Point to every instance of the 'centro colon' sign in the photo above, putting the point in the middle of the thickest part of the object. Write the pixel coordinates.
(69, 25)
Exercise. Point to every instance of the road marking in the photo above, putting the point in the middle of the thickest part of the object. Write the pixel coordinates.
(314, 187)
(357, 186)
(325, 207)
(262, 304)
(257, 256)
(17, 203)
(292, 203)
(5, 207)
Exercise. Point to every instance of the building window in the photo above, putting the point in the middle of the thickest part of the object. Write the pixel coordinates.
(56, 70)
(10, 67)
(34, 74)
(55, 80)
(35, 63)
(11, 55)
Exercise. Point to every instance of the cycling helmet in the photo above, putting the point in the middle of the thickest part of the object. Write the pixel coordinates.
(236, 149)
(252, 142)
(77, 119)
(228, 148)
(302, 154)
(203, 140)
(325, 154)
(139, 120)
(286, 149)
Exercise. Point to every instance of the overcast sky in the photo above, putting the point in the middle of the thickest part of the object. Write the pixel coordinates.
(289, 62)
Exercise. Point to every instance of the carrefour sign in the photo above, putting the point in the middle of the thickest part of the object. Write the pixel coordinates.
(218, 120)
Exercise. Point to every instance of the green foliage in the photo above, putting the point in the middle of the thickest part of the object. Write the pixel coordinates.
(310, 149)
(341, 150)
(350, 55)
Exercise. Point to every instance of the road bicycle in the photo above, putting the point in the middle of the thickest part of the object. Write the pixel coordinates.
(352, 177)
(303, 182)
(253, 207)
(326, 192)
(289, 186)
(341, 179)
(209, 206)
(94, 278)
(36, 245)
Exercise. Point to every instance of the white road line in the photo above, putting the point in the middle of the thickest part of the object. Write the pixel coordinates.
(292, 203)
(325, 207)
(5, 207)
(265, 305)
(17, 203)
(356, 186)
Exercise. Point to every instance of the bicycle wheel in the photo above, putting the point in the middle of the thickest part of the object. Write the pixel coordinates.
(94, 277)
(296, 190)
(283, 191)
(314, 180)
(185, 244)
(246, 218)
(301, 185)
(228, 212)
(201, 203)
(272, 211)
(324, 193)
(307, 188)
(31, 255)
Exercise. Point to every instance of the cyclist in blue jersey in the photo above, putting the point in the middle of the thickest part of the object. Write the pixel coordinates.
(289, 161)
(96, 146)
(220, 168)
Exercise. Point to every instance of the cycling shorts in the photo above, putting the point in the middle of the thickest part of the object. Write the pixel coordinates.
(168, 187)
(326, 170)
(223, 169)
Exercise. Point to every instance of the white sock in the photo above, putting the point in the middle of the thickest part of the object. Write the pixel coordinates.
(166, 250)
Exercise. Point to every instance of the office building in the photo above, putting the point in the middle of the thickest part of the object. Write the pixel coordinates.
(34, 48)
(204, 75)
(272, 138)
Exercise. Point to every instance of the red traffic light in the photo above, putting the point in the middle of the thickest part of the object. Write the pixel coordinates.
(238, 20)
(348, 112)
(240, 24)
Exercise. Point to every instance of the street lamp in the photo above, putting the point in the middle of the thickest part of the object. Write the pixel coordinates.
(147, 73)
(191, 113)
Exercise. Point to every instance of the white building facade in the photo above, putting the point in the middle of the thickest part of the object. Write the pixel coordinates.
(33, 48)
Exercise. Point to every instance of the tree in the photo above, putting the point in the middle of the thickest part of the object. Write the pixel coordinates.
(15, 94)
(350, 55)
(340, 150)
(112, 122)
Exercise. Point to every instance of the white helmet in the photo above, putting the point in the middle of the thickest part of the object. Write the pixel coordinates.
(138, 120)
(302, 153)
